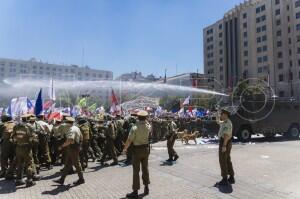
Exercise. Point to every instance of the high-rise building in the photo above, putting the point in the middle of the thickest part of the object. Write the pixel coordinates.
(256, 39)
(33, 69)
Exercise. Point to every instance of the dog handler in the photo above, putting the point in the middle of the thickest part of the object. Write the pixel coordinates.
(225, 135)
(139, 137)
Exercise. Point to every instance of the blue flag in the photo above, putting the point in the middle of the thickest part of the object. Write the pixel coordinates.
(38, 104)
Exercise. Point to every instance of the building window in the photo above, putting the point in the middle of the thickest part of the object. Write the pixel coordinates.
(290, 52)
(297, 3)
(258, 10)
(221, 68)
(245, 15)
(298, 27)
(279, 43)
(221, 52)
(258, 39)
(279, 54)
(263, 8)
(289, 29)
(264, 28)
(245, 43)
(259, 69)
(259, 60)
(245, 34)
(277, 2)
(280, 77)
(278, 22)
(257, 19)
(291, 63)
(258, 29)
(221, 43)
(220, 34)
(280, 65)
(298, 38)
(265, 58)
(298, 50)
(297, 15)
(245, 25)
(278, 33)
(259, 49)
(264, 38)
(265, 48)
(288, 7)
(277, 12)
(288, 18)
(220, 26)
(246, 63)
(221, 60)
(290, 41)
(263, 18)
(245, 53)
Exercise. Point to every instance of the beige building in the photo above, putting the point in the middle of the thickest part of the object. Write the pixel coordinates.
(33, 69)
(256, 39)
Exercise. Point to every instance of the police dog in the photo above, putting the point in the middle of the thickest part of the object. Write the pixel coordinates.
(181, 134)
(188, 137)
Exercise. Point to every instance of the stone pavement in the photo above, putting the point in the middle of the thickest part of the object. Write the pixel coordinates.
(263, 170)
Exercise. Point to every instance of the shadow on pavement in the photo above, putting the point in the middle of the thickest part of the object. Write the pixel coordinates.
(140, 196)
(55, 175)
(7, 186)
(57, 190)
(166, 163)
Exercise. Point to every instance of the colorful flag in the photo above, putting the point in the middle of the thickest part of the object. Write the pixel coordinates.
(93, 107)
(186, 101)
(115, 108)
(38, 109)
(18, 106)
(82, 102)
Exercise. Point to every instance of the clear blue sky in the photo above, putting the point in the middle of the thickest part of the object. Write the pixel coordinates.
(118, 35)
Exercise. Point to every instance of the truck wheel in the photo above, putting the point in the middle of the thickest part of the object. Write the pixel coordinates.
(245, 134)
(294, 132)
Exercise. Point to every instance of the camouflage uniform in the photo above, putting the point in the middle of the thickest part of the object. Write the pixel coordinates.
(7, 146)
(109, 149)
(172, 136)
(86, 134)
(23, 137)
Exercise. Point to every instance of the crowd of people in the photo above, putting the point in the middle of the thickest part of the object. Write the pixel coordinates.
(30, 142)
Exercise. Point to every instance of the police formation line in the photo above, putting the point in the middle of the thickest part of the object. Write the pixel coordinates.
(30, 143)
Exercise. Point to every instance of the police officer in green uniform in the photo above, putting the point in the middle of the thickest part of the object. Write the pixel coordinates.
(35, 143)
(72, 145)
(22, 136)
(139, 137)
(171, 138)
(86, 132)
(225, 145)
(58, 140)
(7, 147)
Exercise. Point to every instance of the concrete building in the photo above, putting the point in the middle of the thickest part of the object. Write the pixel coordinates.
(33, 69)
(137, 77)
(256, 39)
(196, 80)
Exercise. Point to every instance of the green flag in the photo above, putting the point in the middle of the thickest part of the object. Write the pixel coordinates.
(82, 102)
(93, 107)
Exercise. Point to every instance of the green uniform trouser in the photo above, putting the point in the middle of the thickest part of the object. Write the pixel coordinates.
(84, 158)
(24, 158)
(56, 153)
(35, 153)
(109, 150)
(170, 145)
(44, 149)
(225, 159)
(140, 157)
(72, 159)
(7, 154)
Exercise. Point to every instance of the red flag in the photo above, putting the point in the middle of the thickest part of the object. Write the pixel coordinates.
(114, 109)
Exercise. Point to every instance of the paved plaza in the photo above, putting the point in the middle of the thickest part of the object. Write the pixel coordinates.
(264, 169)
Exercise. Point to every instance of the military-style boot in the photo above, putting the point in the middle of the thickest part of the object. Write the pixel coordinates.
(80, 180)
(30, 183)
(19, 182)
(170, 159)
(231, 180)
(49, 166)
(133, 194)
(223, 182)
(146, 190)
(176, 157)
